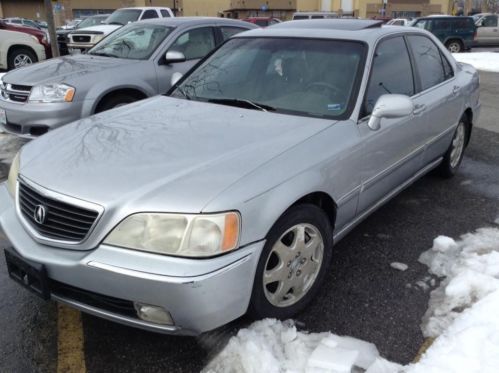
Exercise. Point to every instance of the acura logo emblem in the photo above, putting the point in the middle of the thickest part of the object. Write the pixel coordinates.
(40, 214)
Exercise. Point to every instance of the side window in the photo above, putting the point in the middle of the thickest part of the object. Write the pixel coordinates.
(391, 72)
(428, 61)
(229, 31)
(165, 13)
(149, 14)
(195, 43)
(490, 21)
(440, 25)
(421, 24)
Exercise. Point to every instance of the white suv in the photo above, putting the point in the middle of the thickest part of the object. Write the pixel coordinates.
(84, 39)
(18, 49)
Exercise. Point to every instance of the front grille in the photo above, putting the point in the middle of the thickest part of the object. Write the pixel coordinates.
(15, 92)
(62, 221)
(80, 39)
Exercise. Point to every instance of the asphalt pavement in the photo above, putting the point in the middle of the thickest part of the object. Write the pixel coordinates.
(362, 296)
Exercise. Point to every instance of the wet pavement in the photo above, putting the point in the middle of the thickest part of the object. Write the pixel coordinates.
(362, 296)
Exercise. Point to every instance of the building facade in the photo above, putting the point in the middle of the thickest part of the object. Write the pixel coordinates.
(283, 9)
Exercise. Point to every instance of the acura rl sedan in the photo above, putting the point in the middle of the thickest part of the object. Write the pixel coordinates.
(182, 212)
(135, 62)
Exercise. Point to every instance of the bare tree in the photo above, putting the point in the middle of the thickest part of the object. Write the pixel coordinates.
(51, 27)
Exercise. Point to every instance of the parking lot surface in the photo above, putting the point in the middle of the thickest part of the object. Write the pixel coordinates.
(362, 295)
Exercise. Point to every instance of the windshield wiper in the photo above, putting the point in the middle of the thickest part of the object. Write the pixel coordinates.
(248, 104)
(115, 23)
(104, 55)
(181, 90)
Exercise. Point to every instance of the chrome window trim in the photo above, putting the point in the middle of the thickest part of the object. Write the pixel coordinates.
(58, 197)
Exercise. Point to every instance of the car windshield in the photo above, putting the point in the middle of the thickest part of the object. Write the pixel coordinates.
(135, 42)
(90, 21)
(124, 16)
(288, 75)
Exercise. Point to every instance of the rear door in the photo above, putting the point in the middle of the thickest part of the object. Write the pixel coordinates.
(488, 32)
(394, 153)
(438, 92)
(194, 43)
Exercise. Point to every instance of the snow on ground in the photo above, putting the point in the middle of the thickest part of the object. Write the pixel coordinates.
(462, 316)
(487, 61)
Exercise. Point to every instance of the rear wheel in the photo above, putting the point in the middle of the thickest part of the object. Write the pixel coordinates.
(454, 155)
(454, 46)
(20, 57)
(293, 263)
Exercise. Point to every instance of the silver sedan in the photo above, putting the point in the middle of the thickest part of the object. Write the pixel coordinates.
(180, 213)
(133, 63)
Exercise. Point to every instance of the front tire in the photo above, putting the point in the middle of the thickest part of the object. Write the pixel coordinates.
(293, 263)
(454, 155)
(20, 57)
(115, 101)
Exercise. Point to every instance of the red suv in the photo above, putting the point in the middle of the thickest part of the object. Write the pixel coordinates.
(40, 35)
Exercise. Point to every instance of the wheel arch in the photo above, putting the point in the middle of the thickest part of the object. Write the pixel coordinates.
(131, 91)
(322, 200)
(13, 47)
(468, 113)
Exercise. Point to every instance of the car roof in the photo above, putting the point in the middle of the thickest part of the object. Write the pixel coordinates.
(443, 17)
(186, 21)
(330, 29)
(145, 7)
(332, 24)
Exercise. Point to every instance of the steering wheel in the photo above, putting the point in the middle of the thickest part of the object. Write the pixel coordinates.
(324, 88)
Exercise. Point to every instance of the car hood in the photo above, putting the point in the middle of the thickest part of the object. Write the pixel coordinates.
(63, 69)
(105, 29)
(161, 154)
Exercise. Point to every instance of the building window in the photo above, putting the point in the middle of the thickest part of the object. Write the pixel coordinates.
(83, 13)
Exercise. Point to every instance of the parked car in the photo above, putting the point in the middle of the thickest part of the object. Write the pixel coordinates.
(262, 21)
(62, 35)
(456, 33)
(82, 40)
(41, 36)
(178, 214)
(314, 15)
(71, 25)
(487, 29)
(18, 49)
(399, 22)
(23, 22)
(133, 63)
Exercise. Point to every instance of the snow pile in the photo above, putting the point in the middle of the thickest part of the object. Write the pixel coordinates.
(487, 61)
(273, 346)
(471, 271)
(462, 315)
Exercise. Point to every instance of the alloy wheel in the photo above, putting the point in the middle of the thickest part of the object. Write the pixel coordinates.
(457, 145)
(293, 264)
(22, 60)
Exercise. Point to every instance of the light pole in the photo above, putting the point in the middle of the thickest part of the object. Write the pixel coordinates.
(51, 27)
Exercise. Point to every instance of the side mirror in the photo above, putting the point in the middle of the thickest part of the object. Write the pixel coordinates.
(176, 76)
(174, 56)
(390, 106)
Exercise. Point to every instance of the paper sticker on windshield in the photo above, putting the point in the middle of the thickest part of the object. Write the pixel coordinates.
(334, 107)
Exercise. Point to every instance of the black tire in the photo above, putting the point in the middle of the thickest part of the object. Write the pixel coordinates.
(454, 46)
(449, 166)
(19, 52)
(114, 101)
(312, 216)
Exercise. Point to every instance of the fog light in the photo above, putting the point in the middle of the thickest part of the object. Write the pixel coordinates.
(153, 314)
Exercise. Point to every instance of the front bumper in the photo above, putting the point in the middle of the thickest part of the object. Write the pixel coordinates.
(30, 120)
(211, 293)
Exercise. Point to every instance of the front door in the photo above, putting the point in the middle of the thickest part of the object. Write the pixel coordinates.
(393, 153)
(488, 32)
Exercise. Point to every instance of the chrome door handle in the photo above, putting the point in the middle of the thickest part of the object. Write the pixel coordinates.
(419, 108)
(456, 90)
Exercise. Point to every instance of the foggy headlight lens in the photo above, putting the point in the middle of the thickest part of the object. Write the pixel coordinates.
(97, 38)
(181, 235)
(13, 172)
(52, 93)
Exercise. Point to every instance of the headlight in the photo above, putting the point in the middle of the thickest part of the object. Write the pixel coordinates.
(97, 38)
(174, 234)
(12, 180)
(52, 93)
